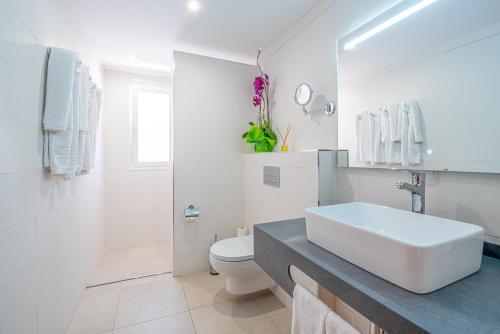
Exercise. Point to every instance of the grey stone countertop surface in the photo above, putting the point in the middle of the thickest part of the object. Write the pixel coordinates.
(470, 305)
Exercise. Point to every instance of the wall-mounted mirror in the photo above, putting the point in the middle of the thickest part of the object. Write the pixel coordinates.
(304, 95)
(420, 82)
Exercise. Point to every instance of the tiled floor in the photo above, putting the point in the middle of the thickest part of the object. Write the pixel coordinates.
(197, 303)
(124, 263)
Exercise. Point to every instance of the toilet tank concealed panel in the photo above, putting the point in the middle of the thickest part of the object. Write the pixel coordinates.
(297, 190)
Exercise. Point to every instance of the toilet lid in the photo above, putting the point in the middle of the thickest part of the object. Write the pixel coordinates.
(233, 249)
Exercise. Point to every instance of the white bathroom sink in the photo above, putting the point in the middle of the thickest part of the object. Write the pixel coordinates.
(419, 253)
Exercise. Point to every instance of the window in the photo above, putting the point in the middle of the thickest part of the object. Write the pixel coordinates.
(150, 128)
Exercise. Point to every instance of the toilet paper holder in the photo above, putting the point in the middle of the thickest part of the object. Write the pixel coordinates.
(191, 212)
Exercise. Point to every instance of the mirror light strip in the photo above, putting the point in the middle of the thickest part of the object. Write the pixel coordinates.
(393, 20)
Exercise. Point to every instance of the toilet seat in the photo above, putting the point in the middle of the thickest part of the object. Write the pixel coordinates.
(234, 249)
(234, 259)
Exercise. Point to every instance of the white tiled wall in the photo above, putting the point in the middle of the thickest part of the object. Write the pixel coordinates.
(212, 108)
(298, 186)
(50, 230)
(138, 204)
(307, 53)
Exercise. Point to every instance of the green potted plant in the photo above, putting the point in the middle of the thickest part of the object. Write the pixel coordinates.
(261, 134)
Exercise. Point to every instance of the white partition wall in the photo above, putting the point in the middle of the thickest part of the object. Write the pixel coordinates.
(212, 108)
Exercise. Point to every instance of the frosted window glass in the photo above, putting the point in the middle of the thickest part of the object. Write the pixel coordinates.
(153, 127)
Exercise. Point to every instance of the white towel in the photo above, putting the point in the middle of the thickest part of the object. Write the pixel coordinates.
(60, 145)
(412, 136)
(375, 133)
(95, 127)
(337, 325)
(363, 153)
(81, 150)
(86, 154)
(90, 128)
(357, 122)
(390, 115)
(403, 121)
(84, 99)
(60, 149)
(59, 89)
(415, 134)
(83, 159)
(309, 313)
(76, 123)
(46, 158)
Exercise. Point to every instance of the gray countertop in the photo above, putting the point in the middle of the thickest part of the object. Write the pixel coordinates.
(471, 305)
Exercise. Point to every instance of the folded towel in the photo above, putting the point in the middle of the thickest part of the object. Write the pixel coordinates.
(81, 150)
(86, 154)
(86, 165)
(76, 124)
(95, 127)
(392, 141)
(60, 149)
(59, 89)
(363, 152)
(309, 313)
(84, 98)
(337, 325)
(46, 158)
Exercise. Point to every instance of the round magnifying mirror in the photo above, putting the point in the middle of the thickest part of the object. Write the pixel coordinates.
(303, 94)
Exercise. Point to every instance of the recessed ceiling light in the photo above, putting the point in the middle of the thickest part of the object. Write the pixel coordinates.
(193, 5)
(132, 58)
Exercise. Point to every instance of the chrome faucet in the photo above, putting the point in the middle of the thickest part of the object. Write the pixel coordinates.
(417, 190)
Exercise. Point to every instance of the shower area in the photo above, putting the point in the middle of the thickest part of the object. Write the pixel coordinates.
(138, 193)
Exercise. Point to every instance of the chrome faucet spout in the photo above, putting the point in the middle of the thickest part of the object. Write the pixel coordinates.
(411, 188)
(417, 190)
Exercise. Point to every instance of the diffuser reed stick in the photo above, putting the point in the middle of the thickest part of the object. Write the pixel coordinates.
(284, 146)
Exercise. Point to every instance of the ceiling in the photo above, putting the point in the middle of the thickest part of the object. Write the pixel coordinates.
(142, 34)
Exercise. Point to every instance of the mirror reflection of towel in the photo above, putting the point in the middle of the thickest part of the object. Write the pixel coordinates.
(411, 133)
(391, 129)
(363, 152)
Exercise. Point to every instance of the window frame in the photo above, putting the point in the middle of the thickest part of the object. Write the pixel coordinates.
(134, 163)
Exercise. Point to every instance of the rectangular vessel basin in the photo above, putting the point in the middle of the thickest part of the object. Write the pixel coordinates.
(419, 253)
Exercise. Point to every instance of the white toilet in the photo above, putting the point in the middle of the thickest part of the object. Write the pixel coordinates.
(234, 259)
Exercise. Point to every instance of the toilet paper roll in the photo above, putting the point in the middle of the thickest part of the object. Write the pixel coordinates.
(242, 231)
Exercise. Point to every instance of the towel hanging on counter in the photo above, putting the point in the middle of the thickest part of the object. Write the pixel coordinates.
(336, 325)
(309, 313)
